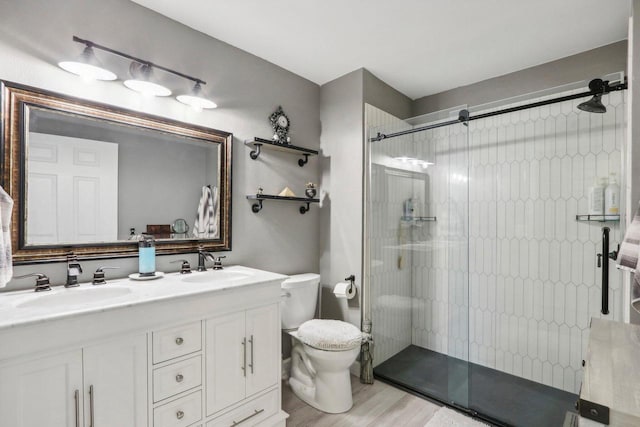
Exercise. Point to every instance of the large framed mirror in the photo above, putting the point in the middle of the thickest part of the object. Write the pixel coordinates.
(88, 178)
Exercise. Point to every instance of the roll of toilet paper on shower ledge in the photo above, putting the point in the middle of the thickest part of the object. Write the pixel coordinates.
(344, 290)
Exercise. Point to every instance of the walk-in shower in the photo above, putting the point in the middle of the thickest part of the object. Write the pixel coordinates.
(482, 274)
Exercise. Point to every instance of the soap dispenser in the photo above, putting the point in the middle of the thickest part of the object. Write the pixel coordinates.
(146, 255)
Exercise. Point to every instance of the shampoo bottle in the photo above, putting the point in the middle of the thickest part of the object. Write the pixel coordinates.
(612, 196)
(596, 197)
(146, 255)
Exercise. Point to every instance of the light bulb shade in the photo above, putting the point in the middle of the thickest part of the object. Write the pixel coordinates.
(142, 81)
(88, 66)
(196, 99)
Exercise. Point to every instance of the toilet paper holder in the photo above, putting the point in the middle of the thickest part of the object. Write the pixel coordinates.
(351, 279)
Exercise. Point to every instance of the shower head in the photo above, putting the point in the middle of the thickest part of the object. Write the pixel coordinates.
(594, 105)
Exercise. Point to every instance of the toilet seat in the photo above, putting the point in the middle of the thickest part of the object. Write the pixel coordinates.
(329, 335)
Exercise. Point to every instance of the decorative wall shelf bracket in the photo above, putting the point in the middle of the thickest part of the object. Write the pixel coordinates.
(257, 206)
(257, 144)
(598, 218)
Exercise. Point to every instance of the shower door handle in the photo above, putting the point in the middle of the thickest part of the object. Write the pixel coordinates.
(604, 256)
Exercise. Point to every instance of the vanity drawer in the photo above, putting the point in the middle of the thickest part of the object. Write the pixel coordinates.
(176, 378)
(179, 413)
(249, 414)
(177, 341)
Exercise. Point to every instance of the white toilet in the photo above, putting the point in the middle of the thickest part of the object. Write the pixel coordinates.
(323, 350)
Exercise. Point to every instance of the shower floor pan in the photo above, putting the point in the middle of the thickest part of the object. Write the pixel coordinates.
(496, 396)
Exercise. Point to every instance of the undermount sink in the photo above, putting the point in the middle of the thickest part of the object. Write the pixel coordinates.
(216, 277)
(73, 297)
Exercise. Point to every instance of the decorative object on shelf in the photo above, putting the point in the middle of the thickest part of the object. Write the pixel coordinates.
(257, 207)
(142, 80)
(259, 192)
(159, 231)
(259, 143)
(180, 226)
(286, 192)
(280, 124)
(310, 190)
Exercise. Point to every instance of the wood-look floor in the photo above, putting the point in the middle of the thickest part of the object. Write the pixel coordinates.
(377, 405)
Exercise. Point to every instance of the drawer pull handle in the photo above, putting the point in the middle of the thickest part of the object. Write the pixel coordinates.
(255, 412)
(180, 415)
(179, 378)
(179, 341)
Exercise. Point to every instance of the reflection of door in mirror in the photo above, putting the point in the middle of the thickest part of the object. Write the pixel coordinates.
(72, 193)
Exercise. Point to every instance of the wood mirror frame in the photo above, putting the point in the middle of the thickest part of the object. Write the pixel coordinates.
(15, 101)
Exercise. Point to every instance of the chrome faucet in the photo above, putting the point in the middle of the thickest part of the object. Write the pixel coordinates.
(73, 271)
(202, 257)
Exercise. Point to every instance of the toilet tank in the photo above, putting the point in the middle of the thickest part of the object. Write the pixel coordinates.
(299, 299)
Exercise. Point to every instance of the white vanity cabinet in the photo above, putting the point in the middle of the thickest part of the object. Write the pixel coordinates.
(99, 385)
(173, 353)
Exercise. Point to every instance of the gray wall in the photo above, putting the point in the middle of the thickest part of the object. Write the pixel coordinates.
(378, 93)
(35, 35)
(583, 66)
(341, 115)
(343, 149)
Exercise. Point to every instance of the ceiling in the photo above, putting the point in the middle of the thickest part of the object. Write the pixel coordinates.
(420, 47)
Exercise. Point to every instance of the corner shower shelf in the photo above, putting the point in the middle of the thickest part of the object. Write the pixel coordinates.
(257, 207)
(258, 143)
(598, 218)
(419, 218)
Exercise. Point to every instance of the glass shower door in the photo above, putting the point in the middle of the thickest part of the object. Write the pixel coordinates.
(417, 234)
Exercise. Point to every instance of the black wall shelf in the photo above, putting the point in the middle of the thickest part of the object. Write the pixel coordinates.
(598, 218)
(258, 143)
(257, 207)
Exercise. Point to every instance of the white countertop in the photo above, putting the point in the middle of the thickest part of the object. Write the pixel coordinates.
(28, 307)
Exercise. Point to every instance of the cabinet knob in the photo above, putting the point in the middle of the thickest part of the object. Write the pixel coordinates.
(179, 378)
(179, 340)
(179, 415)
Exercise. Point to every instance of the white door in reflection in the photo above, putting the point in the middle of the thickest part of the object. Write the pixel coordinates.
(72, 190)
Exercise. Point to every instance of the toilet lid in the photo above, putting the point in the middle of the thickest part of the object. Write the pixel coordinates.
(332, 335)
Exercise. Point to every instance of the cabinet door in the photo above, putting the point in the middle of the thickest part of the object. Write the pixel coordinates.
(42, 392)
(115, 382)
(226, 351)
(263, 350)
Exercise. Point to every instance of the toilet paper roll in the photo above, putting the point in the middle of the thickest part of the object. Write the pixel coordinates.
(344, 290)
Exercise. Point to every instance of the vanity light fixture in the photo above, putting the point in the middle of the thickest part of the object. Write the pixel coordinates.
(142, 75)
(88, 66)
(144, 82)
(195, 99)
